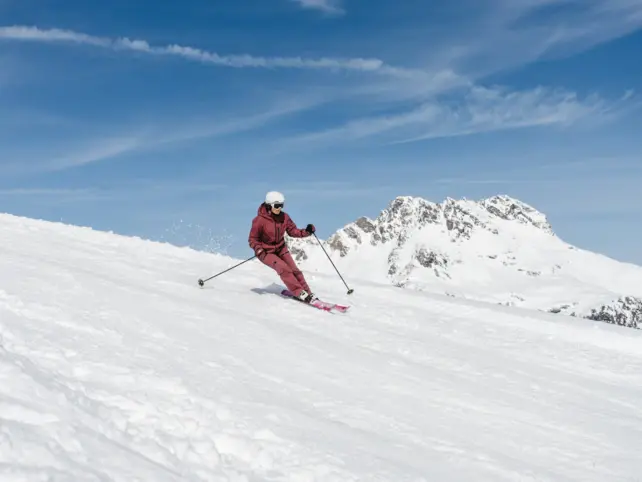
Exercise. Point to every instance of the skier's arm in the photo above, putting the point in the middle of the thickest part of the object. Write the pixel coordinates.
(295, 232)
(254, 239)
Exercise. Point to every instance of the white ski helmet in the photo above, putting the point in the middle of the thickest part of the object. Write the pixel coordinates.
(274, 197)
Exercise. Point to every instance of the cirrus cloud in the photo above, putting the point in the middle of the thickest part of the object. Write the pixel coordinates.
(35, 34)
(332, 7)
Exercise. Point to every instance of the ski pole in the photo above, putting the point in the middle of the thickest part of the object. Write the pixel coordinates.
(202, 282)
(350, 290)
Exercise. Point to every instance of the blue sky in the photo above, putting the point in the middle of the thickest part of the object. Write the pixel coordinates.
(171, 120)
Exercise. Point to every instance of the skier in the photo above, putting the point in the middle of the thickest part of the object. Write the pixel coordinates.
(267, 240)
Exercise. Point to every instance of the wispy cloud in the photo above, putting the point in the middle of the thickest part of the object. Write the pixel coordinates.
(508, 33)
(43, 191)
(591, 22)
(492, 109)
(279, 108)
(56, 196)
(67, 154)
(35, 34)
(145, 136)
(124, 188)
(93, 151)
(481, 109)
(332, 7)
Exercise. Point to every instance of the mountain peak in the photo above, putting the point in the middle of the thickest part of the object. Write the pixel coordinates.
(459, 216)
(457, 219)
(497, 248)
(509, 208)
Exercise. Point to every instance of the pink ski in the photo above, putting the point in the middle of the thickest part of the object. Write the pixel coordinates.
(319, 304)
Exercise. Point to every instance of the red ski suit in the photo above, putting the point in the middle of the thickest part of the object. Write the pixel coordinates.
(267, 240)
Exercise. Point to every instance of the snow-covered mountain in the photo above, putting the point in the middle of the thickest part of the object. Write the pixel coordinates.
(497, 249)
(116, 366)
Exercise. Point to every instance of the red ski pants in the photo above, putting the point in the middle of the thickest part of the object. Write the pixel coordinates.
(288, 271)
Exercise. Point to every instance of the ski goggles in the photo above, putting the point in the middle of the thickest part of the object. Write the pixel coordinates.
(277, 205)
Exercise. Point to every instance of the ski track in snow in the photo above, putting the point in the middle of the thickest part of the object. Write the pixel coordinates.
(116, 366)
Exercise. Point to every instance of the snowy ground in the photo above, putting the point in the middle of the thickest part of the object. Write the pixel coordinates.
(115, 365)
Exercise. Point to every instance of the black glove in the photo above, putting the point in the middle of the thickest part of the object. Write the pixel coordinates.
(310, 228)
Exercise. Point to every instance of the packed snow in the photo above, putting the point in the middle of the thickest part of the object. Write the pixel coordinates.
(498, 249)
(116, 366)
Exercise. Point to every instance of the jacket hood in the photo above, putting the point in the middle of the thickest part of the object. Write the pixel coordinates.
(263, 211)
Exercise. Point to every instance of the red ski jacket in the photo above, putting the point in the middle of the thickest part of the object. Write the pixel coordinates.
(268, 230)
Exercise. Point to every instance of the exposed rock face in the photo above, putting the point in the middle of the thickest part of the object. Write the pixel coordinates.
(625, 311)
(405, 215)
(413, 240)
(297, 251)
(510, 209)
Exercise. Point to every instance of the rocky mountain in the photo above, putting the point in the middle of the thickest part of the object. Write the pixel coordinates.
(497, 249)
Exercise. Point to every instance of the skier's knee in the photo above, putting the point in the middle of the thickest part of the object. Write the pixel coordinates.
(281, 270)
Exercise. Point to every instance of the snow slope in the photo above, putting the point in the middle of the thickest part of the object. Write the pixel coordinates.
(116, 366)
(498, 249)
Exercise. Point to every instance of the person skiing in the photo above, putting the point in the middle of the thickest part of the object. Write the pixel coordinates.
(267, 240)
